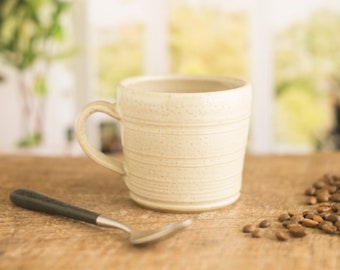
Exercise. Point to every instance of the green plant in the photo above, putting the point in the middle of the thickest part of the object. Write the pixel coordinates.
(31, 32)
(307, 70)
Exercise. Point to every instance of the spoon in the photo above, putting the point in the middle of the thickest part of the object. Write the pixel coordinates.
(40, 202)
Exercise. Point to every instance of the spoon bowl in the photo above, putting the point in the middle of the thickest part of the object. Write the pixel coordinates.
(141, 237)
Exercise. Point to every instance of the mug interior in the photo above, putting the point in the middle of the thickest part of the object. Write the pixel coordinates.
(195, 84)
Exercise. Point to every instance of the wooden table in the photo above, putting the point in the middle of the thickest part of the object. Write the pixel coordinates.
(272, 185)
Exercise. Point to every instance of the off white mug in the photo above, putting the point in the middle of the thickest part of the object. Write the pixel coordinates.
(184, 139)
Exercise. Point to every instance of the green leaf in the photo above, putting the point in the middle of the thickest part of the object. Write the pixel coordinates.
(27, 27)
(40, 86)
(30, 140)
(56, 32)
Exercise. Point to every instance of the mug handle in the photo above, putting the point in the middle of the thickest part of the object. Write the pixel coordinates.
(80, 132)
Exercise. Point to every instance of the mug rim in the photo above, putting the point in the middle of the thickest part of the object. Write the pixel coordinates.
(129, 82)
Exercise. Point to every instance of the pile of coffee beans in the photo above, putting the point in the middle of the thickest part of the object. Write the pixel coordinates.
(323, 197)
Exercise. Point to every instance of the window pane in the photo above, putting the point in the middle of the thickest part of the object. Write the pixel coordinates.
(118, 57)
(209, 37)
(307, 80)
(117, 30)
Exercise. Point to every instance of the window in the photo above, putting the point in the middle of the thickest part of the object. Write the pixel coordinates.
(287, 50)
(156, 37)
(307, 79)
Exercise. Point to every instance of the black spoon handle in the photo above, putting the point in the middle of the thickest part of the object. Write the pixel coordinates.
(42, 203)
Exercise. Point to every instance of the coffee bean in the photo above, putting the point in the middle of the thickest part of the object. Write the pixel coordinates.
(294, 225)
(328, 177)
(286, 223)
(317, 218)
(282, 235)
(284, 217)
(256, 233)
(309, 223)
(249, 228)
(319, 184)
(323, 209)
(311, 200)
(337, 224)
(330, 229)
(310, 191)
(264, 223)
(332, 179)
(324, 215)
(307, 212)
(332, 189)
(335, 197)
(325, 204)
(335, 208)
(292, 213)
(321, 224)
(297, 218)
(333, 218)
(309, 216)
(297, 231)
(323, 196)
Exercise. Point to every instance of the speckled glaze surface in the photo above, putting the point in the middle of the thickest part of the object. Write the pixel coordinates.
(184, 139)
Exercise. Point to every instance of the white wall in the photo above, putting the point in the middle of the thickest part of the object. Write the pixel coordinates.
(10, 113)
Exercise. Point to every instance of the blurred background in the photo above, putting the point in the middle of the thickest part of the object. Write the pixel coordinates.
(56, 56)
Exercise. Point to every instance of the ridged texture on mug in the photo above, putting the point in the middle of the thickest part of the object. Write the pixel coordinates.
(184, 151)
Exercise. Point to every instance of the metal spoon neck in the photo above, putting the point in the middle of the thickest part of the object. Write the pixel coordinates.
(108, 222)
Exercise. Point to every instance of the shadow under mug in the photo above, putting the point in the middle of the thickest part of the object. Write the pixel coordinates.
(184, 139)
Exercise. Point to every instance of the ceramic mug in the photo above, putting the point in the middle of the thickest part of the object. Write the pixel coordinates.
(184, 139)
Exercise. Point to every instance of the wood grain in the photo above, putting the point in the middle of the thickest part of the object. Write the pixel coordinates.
(272, 185)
